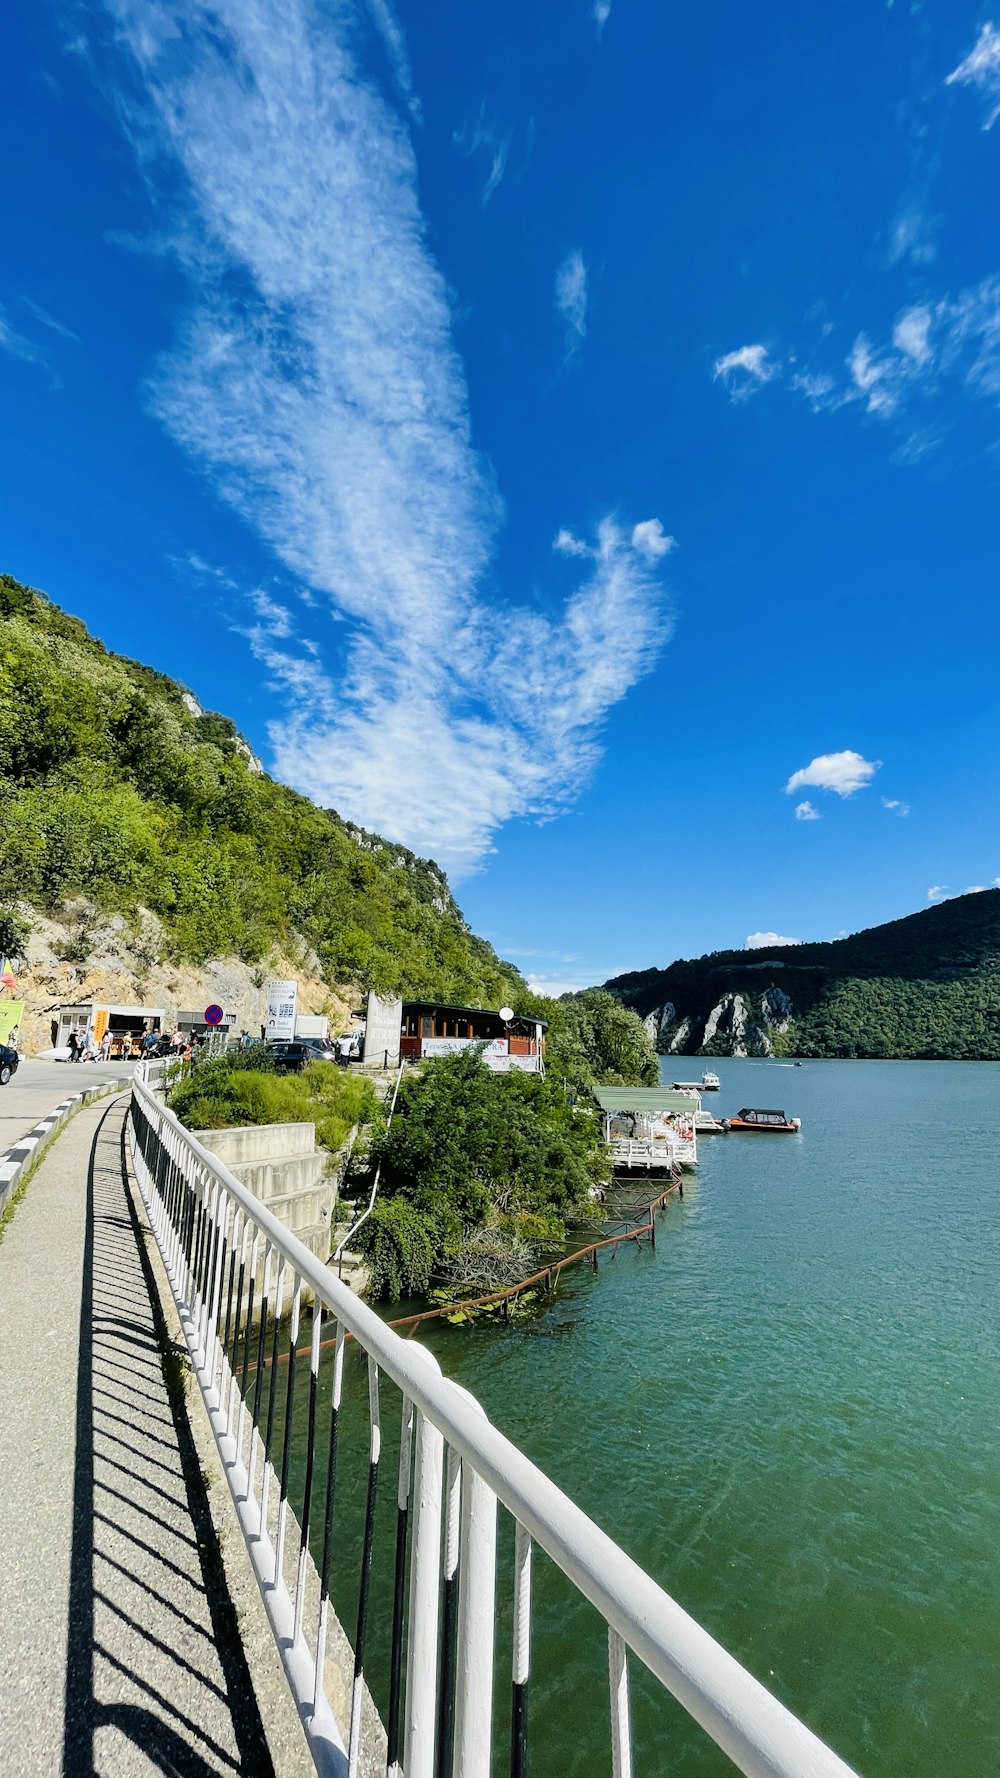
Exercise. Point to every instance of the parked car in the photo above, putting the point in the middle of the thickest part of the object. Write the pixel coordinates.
(9, 1059)
(294, 1055)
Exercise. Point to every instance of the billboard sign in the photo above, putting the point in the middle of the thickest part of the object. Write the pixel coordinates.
(280, 1022)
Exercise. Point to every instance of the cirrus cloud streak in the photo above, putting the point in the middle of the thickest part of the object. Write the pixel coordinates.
(315, 382)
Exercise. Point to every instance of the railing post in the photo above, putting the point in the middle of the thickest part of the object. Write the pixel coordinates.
(477, 1572)
(425, 1584)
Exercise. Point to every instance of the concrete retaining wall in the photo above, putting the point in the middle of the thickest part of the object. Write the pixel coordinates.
(259, 1142)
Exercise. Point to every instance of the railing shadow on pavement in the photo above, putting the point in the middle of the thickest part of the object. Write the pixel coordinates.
(155, 1665)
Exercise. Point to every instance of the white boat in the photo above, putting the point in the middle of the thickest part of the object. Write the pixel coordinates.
(707, 1125)
(709, 1083)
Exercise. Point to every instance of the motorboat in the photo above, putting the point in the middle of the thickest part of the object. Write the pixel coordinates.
(707, 1125)
(773, 1123)
(709, 1083)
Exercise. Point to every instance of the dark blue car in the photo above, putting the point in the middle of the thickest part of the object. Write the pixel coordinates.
(9, 1059)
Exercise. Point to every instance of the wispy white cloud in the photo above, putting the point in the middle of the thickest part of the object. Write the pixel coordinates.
(806, 811)
(938, 892)
(819, 388)
(15, 343)
(981, 69)
(316, 382)
(759, 941)
(49, 321)
(571, 299)
(843, 773)
(487, 137)
(895, 807)
(391, 32)
(910, 235)
(745, 371)
(600, 12)
(954, 339)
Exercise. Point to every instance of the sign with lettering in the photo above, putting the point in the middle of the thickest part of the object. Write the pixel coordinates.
(447, 1046)
(280, 1022)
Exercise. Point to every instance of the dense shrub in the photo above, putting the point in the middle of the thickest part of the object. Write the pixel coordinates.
(469, 1149)
(224, 1093)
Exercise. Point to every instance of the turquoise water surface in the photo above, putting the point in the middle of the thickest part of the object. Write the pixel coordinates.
(787, 1413)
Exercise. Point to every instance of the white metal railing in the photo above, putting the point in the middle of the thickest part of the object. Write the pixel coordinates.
(221, 1247)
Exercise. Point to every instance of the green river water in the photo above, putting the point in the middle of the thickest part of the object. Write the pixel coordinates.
(787, 1413)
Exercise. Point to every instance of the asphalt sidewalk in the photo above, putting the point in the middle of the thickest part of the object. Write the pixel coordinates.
(121, 1653)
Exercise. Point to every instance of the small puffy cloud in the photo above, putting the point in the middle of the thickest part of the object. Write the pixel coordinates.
(759, 941)
(911, 334)
(894, 806)
(871, 378)
(649, 537)
(745, 371)
(600, 12)
(981, 69)
(571, 299)
(568, 545)
(806, 812)
(938, 892)
(843, 773)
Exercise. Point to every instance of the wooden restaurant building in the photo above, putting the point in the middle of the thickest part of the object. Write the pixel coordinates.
(409, 1030)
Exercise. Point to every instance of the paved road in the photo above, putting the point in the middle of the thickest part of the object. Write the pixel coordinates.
(37, 1088)
(121, 1656)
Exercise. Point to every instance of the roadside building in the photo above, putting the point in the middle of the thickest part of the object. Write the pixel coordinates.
(412, 1030)
(194, 1024)
(126, 1024)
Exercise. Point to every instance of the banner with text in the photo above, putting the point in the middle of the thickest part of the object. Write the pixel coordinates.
(447, 1046)
(281, 998)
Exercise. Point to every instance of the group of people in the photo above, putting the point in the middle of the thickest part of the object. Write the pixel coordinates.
(84, 1046)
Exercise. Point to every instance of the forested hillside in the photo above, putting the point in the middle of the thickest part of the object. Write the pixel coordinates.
(114, 786)
(924, 986)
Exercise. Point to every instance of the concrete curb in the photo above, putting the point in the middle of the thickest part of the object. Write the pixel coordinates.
(31, 1147)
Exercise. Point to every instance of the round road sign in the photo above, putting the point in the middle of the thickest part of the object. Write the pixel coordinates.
(214, 1015)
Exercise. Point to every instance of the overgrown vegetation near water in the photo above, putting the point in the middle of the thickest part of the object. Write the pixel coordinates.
(926, 987)
(111, 787)
(480, 1169)
(242, 1087)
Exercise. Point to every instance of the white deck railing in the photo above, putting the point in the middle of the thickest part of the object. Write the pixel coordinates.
(221, 1248)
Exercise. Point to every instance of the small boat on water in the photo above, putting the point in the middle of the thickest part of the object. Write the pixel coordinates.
(771, 1122)
(709, 1083)
(707, 1125)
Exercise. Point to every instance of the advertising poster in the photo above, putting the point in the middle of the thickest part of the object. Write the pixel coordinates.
(280, 1020)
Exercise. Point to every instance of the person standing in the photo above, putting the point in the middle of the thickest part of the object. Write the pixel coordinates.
(104, 1049)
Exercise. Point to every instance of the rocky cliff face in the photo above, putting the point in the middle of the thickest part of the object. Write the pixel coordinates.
(739, 1024)
(85, 956)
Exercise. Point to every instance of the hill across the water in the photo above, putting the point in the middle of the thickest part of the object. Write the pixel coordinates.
(927, 986)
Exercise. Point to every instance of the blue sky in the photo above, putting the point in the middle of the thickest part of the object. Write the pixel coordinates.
(565, 438)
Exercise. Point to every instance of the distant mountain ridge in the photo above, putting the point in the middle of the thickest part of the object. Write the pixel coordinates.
(926, 986)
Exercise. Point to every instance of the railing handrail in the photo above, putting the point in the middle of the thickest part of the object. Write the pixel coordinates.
(761, 1736)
